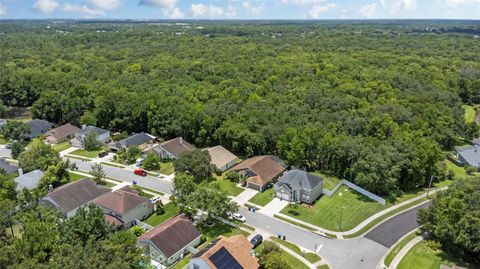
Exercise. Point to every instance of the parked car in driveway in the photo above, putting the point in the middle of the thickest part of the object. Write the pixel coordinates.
(8, 146)
(256, 240)
(102, 154)
(154, 199)
(140, 172)
(139, 162)
(236, 216)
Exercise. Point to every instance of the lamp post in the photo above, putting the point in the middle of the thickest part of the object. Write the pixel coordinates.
(341, 209)
(430, 184)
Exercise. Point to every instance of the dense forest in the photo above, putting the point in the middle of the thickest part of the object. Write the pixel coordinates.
(373, 102)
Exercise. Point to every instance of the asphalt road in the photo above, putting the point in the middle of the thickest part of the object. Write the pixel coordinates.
(150, 182)
(395, 228)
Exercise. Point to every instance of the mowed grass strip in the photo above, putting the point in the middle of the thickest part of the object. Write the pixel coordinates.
(422, 256)
(469, 113)
(394, 251)
(170, 211)
(309, 256)
(61, 147)
(166, 168)
(87, 153)
(263, 198)
(327, 211)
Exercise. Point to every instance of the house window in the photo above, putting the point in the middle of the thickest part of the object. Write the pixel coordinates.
(195, 266)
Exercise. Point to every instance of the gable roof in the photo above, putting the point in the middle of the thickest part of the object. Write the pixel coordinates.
(87, 129)
(63, 131)
(121, 201)
(300, 179)
(176, 146)
(133, 140)
(470, 154)
(76, 194)
(229, 252)
(7, 167)
(221, 156)
(172, 235)
(29, 180)
(267, 167)
(38, 127)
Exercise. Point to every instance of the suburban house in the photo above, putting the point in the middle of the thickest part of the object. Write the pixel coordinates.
(171, 240)
(233, 253)
(299, 187)
(29, 180)
(122, 207)
(3, 122)
(172, 148)
(102, 135)
(141, 140)
(38, 127)
(468, 155)
(260, 170)
(222, 159)
(70, 197)
(62, 133)
(8, 168)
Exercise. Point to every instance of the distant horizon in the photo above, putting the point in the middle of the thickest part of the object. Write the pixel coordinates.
(232, 20)
(241, 9)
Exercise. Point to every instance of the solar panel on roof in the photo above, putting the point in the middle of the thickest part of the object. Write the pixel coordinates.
(222, 259)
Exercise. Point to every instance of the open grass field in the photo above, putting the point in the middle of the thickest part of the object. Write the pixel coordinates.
(87, 153)
(422, 256)
(170, 211)
(309, 256)
(327, 211)
(289, 259)
(226, 186)
(394, 251)
(61, 147)
(263, 198)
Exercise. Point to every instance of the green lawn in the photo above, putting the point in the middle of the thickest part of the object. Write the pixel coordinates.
(457, 170)
(226, 186)
(394, 251)
(3, 141)
(329, 182)
(61, 147)
(289, 259)
(113, 165)
(263, 198)
(326, 212)
(469, 113)
(421, 256)
(86, 153)
(109, 184)
(74, 176)
(170, 211)
(166, 168)
(309, 256)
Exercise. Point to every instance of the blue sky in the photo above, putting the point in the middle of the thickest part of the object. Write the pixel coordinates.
(241, 9)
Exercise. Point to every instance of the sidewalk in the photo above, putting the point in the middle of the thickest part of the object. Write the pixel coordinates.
(401, 254)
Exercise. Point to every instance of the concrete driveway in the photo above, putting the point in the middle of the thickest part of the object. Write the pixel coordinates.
(274, 207)
(244, 196)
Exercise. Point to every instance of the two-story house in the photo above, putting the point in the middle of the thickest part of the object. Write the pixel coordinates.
(299, 187)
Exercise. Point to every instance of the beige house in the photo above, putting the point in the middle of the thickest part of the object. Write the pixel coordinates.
(171, 240)
(260, 170)
(62, 133)
(222, 159)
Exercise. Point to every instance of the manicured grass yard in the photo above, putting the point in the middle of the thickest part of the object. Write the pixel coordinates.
(226, 186)
(394, 251)
(310, 256)
(289, 259)
(469, 113)
(86, 153)
(75, 176)
(421, 256)
(263, 198)
(457, 170)
(326, 211)
(166, 168)
(329, 182)
(170, 211)
(61, 147)
(3, 141)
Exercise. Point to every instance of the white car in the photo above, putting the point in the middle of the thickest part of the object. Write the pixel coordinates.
(239, 217)
(154, 199)
(139, 161)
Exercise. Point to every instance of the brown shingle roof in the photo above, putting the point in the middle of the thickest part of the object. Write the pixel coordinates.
(176, 146)
(221, 156)
(172, 235)
(63, 131)
(113, 220)
(266, 167)
(77, 193)
(238, 246)
(121, 201)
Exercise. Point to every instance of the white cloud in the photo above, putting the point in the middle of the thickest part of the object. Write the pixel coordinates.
(382, 3)
(404, 4)
(201, 10)
(83, 9)
(173, 13)
(104, 4)
(301, 2)
(369, 10)
(253, 10)
(168, 4)
(231, 11)
(3, 11)
(456, 3)
(45, 6)
(318, 9)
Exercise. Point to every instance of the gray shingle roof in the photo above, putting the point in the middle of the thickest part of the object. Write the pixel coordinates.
(29, 180)
(470, 154)
(133, 140)
(39, 127)
(7, 167)
(83, 132)
(300, 179)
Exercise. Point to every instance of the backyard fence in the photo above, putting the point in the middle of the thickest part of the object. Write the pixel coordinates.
(356, 188)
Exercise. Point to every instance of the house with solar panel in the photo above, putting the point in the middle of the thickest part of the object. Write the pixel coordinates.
(170, 241)
(233, 252)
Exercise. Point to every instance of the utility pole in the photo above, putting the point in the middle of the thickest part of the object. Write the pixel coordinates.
(341, 209)
(429, 184)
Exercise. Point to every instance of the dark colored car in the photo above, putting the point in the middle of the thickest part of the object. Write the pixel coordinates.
(256, 240)
(140, 172)
(102, 154)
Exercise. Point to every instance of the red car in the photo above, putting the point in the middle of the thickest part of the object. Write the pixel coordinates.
(140, 172)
